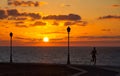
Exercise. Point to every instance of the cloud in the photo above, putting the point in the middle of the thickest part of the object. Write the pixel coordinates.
(35, 40)
(17, 18)
(2, 14)
(38, 23)
(55, 23)
(56, 32)
(23, 38)
(4, 42)
(72, 17)
(28, 39)
(79, 23)
(100, 37)
(19, 22)
(65, 5)
(83, 23)
(24, 26)
(109, 17)
(106, 30)
(69, 23)
(96, 43)
(116, 5)
(56, 39)
(26, 3)
(96, 37)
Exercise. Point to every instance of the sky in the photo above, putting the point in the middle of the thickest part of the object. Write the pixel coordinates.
(92, 22)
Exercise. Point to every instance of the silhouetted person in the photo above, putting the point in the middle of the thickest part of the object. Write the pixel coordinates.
(93, 54)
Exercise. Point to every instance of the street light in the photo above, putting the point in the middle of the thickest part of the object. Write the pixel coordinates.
(68, 59)
(11, 34)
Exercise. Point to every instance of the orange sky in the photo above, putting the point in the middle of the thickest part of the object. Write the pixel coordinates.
(93, 23)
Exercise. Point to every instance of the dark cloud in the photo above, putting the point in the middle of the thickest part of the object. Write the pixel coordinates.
(25, 3)
(72, 17)
(13, 14)
(38, 23)
(116, 5)
(32, 15)
(2, 14)
(110, 17)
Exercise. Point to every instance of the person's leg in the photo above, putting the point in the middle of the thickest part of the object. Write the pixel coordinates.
(94, 60)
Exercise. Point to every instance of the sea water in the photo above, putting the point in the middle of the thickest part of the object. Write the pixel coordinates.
(58, 55)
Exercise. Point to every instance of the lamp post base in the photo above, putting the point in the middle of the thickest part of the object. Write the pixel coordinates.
(68, 62)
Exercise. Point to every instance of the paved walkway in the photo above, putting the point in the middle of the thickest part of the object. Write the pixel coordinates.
(79, 73)
(96, 71)
(28, 69)
(113, 69)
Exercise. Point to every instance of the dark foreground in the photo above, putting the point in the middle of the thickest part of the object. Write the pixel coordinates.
(32, 69)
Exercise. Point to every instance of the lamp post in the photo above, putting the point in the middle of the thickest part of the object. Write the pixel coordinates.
(11, 34)
(68, 58)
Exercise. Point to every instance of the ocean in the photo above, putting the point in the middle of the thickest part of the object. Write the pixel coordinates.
(58, 55)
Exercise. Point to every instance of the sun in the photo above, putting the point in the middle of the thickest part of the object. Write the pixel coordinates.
(46, 39)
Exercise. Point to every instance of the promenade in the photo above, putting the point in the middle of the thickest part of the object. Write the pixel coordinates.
(36, 69)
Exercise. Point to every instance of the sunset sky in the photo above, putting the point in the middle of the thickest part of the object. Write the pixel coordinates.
(92, 22)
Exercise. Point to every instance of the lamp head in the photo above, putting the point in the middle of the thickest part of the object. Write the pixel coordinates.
(68, 29)
(11, 34)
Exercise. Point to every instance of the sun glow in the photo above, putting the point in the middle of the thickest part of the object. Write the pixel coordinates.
(46, 39)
